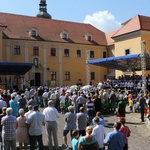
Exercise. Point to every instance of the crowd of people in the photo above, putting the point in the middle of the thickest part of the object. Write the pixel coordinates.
(22, 119)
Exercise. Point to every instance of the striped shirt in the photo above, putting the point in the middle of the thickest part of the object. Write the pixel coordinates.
(90, 105)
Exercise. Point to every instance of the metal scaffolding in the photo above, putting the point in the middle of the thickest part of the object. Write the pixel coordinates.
(88, 76)
(143, 66)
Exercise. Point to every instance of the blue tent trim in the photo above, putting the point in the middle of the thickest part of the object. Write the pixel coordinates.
(123, 63)
(14, 68)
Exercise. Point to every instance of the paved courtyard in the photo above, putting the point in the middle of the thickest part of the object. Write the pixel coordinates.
(140, 133)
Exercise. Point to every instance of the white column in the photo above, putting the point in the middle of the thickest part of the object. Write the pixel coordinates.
(44, 64)
(8, 51)
(60, 55)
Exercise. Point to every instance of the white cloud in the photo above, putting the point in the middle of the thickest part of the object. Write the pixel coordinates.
(103, 20)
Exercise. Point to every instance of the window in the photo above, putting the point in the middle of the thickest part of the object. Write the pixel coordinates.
(36, 62)
(17, 50)
(92, 75)
(78, 53)
(64, 36)
(67, 75)
(127, 51)
(66, 52)
(35, 50)
(33, 33)
(53, 75)
(53, 52)
(104, 54)
(89, 38)
(91, 54)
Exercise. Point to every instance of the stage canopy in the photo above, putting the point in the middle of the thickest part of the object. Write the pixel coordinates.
(128, 63)
(14, 68)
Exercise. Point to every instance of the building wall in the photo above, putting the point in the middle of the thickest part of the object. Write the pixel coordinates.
(59, 63)
(130, 41)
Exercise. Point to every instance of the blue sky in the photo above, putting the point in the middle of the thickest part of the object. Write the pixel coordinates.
(105, 15)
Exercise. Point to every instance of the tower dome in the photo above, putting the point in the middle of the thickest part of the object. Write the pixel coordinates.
(43, 10)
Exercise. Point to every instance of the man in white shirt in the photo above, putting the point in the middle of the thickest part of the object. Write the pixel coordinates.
(51, 115)
(30, 110)
(98, 132)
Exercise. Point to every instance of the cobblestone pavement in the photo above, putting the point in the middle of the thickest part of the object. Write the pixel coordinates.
(140, 133)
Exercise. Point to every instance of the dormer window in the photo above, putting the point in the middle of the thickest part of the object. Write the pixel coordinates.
(88, 37)
(64, 35)
(33, 32)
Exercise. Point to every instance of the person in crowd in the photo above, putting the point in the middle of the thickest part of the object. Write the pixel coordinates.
(148, 104)
(98, 132)
(40, 99)
(45, 98)
(102, 121)
(23, 102)
(115, 140)
(26, 93)
(88, 141)
(57, 105)
(74, 142)
(53, 96)
(106, 95)
(6, 98)
(17, 96)
(14, 105)
(68, 103)
(81, 101)
(32, 101)
(142, 103)
(30, 110)
(74, 100)
(1, 116)
(35, 121)
(82, 119)
(31, 91)
(62, 103)
(22, 132)
(130, 95)
(122, 108)
(131, 104)
(36, 96)
(126, 131)
(113, 101)
(2, 104)
(97, 103)
(90, 109)
(70, 123)
(51, 115)
(8, 123)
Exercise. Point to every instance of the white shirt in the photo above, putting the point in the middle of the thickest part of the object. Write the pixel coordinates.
(98, 132)
(36, 120)
(51, 113)
(28, 113)
(45, 95)
(62, 99)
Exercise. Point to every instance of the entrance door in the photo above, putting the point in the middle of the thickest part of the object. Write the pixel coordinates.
(37, 79)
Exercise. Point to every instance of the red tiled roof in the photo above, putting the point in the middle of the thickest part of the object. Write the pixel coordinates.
(18, 27)
(109, 36)
(137, 23)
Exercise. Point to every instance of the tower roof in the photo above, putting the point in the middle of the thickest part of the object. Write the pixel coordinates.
(43, 10)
